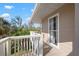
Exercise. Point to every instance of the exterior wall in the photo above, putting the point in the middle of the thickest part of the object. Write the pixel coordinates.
(76, 41)
(66, 29)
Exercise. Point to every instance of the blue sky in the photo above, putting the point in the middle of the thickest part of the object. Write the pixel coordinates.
(24, 10)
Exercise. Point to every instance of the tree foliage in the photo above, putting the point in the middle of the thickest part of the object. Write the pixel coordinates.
(4, 26)
(15, 28)
(18, 28)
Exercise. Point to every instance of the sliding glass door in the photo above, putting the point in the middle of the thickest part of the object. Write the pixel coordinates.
(53, 30)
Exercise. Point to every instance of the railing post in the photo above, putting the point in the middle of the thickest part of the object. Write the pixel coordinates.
(2, 49)
(31, 39)
(35, 45)
(41, 46)
(8, 46)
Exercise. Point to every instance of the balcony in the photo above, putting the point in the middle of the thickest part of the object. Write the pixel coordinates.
(30, 45)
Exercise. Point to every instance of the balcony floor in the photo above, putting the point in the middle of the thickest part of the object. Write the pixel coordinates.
(65, 49)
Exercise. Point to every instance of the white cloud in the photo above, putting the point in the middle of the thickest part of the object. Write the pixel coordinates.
(5, 15)
(8, 7)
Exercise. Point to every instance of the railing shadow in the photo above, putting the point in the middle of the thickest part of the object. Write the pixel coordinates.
(46, 48)
(70, 54)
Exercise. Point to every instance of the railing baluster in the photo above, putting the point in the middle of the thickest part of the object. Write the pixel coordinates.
(18, 46)
(21, 45)
(32, 46)
(6, 52)
(36, 38)
(6, 48)
(15, 47)
(24, 46)
(27, 46)
(38, 46)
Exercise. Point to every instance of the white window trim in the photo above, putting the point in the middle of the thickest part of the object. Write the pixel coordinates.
(53, 45)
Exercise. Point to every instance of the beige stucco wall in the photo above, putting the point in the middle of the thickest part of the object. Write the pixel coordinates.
(66, 28)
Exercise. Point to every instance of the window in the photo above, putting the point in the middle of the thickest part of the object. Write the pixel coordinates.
(53, 30)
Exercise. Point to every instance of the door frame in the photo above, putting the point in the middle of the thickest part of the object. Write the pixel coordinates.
(51, 44)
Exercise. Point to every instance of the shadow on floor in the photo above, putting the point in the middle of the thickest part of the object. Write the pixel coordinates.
(46, 48)
(70, 54)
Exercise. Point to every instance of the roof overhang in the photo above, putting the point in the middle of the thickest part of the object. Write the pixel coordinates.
(41, 10)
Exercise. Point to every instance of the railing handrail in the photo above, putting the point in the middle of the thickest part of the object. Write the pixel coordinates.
(4, 39)
(26, 36)
(17, 37)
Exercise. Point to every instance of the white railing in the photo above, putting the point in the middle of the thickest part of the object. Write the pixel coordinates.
(21, 45)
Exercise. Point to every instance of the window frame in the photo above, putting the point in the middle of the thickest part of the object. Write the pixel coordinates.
(51, 44)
